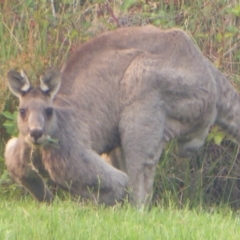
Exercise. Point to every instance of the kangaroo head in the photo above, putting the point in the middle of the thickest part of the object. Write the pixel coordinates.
(36, 116)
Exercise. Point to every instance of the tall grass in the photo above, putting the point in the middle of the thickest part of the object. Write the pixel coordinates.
(33, 37)
(208, 178)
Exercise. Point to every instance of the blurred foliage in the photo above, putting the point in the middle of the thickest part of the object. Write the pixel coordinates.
(11, 123)
(35, 34)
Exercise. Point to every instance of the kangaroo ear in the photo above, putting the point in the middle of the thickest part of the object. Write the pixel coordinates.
(50, 82)
(18, 83)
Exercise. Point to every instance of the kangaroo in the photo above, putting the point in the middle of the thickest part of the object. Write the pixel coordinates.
(130, 90)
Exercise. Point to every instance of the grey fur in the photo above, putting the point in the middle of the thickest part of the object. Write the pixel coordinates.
(132, 89)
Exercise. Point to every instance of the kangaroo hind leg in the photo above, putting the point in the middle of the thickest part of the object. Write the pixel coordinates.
(141, 129)
(18, 163)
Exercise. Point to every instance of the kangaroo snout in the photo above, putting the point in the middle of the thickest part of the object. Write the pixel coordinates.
(36, 134)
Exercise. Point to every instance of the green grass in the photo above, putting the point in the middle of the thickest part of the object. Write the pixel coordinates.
(27, 219)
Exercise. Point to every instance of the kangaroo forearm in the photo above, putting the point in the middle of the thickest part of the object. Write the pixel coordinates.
(37, 188)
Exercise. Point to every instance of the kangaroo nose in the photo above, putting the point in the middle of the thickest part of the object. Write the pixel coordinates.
(36, 134)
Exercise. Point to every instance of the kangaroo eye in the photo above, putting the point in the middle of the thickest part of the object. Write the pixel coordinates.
(49, 112)
(22, 112)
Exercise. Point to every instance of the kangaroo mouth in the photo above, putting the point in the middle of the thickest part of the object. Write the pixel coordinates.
(37, 142)
(45, 139)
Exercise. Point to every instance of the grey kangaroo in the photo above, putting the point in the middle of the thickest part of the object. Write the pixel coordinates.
(130, 90)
